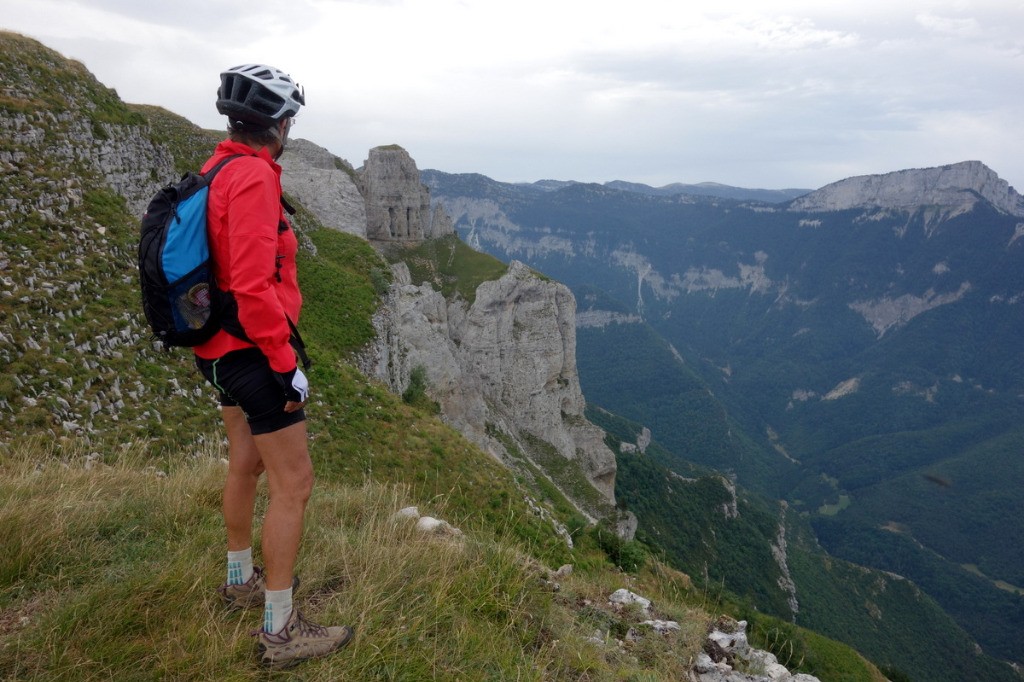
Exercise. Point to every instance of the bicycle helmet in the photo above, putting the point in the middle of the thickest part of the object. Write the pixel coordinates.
(258, 94)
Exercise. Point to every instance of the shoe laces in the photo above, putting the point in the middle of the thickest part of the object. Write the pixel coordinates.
(307, 627)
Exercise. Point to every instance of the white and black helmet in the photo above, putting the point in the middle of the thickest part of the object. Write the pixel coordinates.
(258, 94)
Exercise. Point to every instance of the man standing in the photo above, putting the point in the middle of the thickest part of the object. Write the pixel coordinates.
(262, 389)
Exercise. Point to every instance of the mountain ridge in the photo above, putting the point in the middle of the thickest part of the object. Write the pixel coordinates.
(954, 188)
(815, 354)
(949, 187)
(701, 189)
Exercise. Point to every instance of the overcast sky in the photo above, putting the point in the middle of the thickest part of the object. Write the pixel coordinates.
(760, 93)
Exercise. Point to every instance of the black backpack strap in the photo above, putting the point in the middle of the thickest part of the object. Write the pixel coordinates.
(287, 207)
(299, 345)
(212, 173)
(228, 308)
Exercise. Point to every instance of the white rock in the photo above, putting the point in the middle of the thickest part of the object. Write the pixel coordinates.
(662, 626)
(733, 642)
(625, 598)
(406, 513)
(704, 663)
(428, 524)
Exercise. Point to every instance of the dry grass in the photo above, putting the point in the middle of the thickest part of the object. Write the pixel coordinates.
(110, 563)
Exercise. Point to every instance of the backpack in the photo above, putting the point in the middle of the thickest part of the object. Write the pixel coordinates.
(181, 302)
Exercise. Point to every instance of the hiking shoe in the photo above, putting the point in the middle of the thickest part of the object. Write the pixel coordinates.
(300, 640)
(250, 594)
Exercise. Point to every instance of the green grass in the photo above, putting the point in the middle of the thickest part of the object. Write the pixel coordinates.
(451, 266)
(99, 584)
(801, 649)
(338, 290)
(833, 509)
(566, 474)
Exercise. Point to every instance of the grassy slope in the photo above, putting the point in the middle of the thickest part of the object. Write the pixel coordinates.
(108, 569)
(108, 585)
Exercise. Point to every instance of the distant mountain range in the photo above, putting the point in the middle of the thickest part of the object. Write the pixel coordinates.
(702, 189)
(854, 350)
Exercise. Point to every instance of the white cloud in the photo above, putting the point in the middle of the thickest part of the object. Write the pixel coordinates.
(770, 93)
(963, 27)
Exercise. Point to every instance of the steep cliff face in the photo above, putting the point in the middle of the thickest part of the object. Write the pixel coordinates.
(949, 190)
(503, 370)
(397, 203)
(325, 185)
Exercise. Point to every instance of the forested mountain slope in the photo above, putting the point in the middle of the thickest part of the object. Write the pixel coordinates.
(855, 352)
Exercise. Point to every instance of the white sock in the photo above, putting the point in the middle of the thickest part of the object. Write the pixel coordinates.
(239, 567)
(277, 610)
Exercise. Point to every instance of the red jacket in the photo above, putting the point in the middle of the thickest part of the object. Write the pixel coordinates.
(252, 258)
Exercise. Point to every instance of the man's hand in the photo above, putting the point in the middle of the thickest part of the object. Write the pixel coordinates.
(296, 388)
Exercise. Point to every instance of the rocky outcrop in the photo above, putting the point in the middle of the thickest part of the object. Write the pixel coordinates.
(325, 185)
(123, 156)
(397, 203)
(781, 557)
(503, 369)
(948, 190)
(728, 657)
(886, 313)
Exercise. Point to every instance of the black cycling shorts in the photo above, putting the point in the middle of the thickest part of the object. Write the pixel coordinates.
(245, 380)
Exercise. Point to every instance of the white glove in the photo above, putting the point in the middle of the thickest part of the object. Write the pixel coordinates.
(295, 385)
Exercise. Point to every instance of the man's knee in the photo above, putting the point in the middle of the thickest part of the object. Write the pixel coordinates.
(304, 485)
(293, 487)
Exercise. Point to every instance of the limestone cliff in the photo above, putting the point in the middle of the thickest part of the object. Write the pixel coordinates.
(503, 370)
(949, 190)
(397, 203)
(325, 185)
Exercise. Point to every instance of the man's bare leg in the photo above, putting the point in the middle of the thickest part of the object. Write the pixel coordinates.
(244, 469)
(285, 456)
